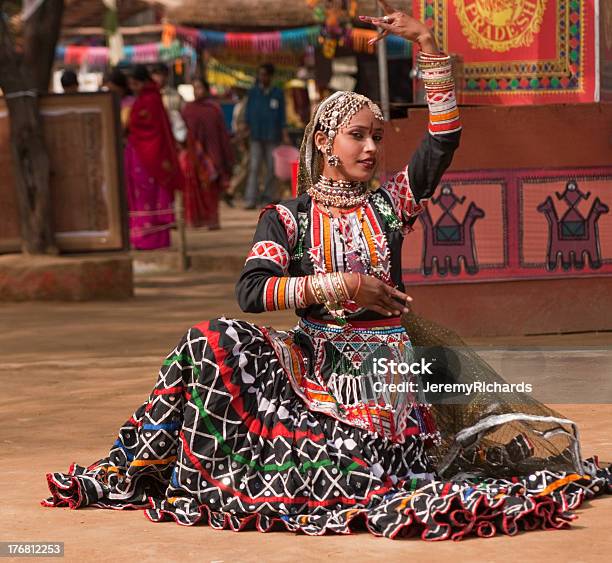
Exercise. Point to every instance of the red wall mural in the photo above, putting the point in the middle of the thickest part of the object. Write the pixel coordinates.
(513, 224)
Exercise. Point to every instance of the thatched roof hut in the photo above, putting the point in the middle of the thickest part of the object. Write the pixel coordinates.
(85, 13)
(237, 15)
(244, 14)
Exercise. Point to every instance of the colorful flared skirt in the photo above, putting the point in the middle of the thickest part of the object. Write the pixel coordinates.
(225, 439)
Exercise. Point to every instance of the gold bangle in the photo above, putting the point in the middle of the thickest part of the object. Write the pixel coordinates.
(338, 288)
(316, 289)
(335, 297)
(342, 286)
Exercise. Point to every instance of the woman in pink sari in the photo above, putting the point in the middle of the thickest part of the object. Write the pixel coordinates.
(152, 169)
(206, 125)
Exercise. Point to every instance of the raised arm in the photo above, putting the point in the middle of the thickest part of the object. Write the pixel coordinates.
(435, 153)
(418, 180)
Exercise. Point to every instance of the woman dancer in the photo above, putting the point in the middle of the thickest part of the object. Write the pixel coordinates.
(250, 426)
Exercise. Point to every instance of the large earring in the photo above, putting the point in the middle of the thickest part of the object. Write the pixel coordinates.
(332, 159)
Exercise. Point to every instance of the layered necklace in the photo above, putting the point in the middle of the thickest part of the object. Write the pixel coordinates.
(339, 193)
(348, 229)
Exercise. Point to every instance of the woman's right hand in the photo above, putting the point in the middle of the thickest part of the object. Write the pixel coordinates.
(403, 25)
(376, 295)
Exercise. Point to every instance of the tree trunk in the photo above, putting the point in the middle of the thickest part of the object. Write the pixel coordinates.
(22, 78)
(32, 173)
(40, 35)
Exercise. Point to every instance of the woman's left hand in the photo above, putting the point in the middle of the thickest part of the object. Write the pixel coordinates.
(399, 23)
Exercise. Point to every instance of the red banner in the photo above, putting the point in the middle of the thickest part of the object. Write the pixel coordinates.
(519, 51)
(605, 40)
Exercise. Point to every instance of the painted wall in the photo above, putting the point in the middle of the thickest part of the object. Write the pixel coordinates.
(537, 184)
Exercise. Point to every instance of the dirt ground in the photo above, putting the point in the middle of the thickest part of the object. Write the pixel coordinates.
(74, 372)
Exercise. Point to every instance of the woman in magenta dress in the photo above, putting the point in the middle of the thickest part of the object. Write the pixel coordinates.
(152, 170)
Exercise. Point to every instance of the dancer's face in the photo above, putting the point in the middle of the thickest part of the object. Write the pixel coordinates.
(358, 146)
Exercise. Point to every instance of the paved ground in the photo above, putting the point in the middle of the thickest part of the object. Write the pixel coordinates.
(74, 372)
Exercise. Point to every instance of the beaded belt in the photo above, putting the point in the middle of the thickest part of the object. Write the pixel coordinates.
(351, 358)
(376, 326)
(343, 382)
(361, 392)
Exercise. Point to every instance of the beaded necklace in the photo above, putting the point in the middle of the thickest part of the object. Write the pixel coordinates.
(338, 193)
(354, 240)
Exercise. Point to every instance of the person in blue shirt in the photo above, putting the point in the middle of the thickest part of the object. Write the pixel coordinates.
(265, 118)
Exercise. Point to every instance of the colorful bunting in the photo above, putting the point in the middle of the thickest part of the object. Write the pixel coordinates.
(286, 40)
(77, 55)
(179, 41)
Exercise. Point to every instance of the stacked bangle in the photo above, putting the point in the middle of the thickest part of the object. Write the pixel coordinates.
(316, 289)
(285, 292)
(436, 71)
(331, 290)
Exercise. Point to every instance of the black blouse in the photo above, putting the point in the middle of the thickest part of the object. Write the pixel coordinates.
(295, 238)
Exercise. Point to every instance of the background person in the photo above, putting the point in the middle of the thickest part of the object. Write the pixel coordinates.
(70, 82)
(240, 142)
(116, 81)
(206, 126)
(173, 101)
(265, 118)
(152, 169)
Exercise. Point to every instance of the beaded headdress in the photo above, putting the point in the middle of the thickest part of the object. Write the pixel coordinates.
(333, 114)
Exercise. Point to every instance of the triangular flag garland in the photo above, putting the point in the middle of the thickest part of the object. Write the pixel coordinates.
(78, 55)
(287, 40)
(179, 41)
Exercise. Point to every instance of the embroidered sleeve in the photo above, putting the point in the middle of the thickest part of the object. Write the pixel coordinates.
(289, 223)
(272, 251)
(398, 190)
(264, 284)
(410, 188)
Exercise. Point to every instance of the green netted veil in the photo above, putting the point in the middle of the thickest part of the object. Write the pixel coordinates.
(490, 434)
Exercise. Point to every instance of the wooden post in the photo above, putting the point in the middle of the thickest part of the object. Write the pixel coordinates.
(383, 74)
(180, 229)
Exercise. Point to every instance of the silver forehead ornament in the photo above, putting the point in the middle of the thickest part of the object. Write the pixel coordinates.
(337, 114)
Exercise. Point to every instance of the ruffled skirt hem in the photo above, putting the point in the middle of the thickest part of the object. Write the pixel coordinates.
(433, 511)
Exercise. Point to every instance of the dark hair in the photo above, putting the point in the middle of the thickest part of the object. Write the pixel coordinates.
(203, 82)
(140, 73)
(69, 78)
(268, 67)
(160, 68)
(118, 78)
